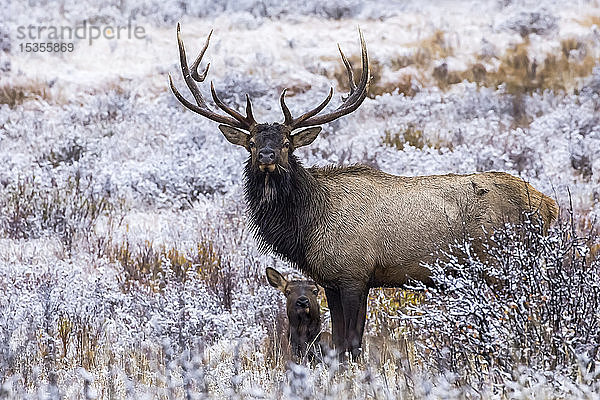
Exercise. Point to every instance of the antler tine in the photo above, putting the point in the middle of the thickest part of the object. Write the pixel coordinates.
(315, 110)
(365, 73)
(286, 111)
(248, 119)
(205, 112)
(350, 73)
(350, 103)
(197, 77)
(201, 108)
(186, 71)
(289, 121)
(249, 113)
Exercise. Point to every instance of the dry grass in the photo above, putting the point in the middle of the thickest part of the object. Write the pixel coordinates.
(383, 302)
(518, 71)
(521, 73)
(590, 20)
(411, 136)
(434, 47)
(395, 352)
(426, 51)
(147, 264)
(68, 210)
(15, 94)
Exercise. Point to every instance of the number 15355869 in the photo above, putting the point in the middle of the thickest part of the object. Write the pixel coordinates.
(49, 47)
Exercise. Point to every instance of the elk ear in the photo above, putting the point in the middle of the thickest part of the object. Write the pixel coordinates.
(234, 135)
(305, 137)
(276, 279)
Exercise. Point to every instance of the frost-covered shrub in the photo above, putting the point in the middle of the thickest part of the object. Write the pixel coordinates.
(533, 303)
(5, 47)
(68, 153)
(592, 85)
(5, 44)
(31, 209)
(171, 11)
(157, 268)
(540, 22)
(52, 314)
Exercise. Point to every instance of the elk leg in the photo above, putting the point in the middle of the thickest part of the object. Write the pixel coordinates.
(362, 315)
(355, 305)
(337, 319)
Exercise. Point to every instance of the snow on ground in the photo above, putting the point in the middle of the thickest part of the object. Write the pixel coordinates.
(100, 163)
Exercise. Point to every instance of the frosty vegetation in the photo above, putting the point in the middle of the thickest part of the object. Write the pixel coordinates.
(127, 269)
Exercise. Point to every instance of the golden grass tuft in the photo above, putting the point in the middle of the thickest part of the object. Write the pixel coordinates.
(15, 94)
(590, 20)
(403, 84)
(557, 72)
(386, 302)
(64, 330)
(520, 73)
(426, 51)
(432, 48)
(411, 136)
(147, 264)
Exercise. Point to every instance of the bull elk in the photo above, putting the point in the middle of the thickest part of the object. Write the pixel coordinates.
(353, 228)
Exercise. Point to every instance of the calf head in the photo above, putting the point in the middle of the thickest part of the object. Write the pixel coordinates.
(302, 303)
(302, 306)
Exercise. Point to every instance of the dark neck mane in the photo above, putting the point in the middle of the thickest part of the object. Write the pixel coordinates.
(284, 207)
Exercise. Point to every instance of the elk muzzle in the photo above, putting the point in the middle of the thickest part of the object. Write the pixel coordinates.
(266, 160)
(303, 302)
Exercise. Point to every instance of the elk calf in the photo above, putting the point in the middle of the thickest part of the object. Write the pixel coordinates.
(304, 316)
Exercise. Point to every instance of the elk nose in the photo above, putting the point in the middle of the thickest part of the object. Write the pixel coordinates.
(266, 156)
(302, 302)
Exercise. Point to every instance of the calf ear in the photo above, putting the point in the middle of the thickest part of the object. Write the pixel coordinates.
(305, 137)
(276, 279)
(235, 136)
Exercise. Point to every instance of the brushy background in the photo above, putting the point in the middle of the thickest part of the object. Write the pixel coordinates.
(126, 265)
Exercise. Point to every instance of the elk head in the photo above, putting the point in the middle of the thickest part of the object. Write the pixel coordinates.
(269, 144)
(302, 302)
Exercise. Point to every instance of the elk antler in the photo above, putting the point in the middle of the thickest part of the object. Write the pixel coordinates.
(350, 103)
(238, 120)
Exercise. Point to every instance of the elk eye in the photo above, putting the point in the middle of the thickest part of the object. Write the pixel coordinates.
(252, 144)
(315, 292)
(286, 145)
